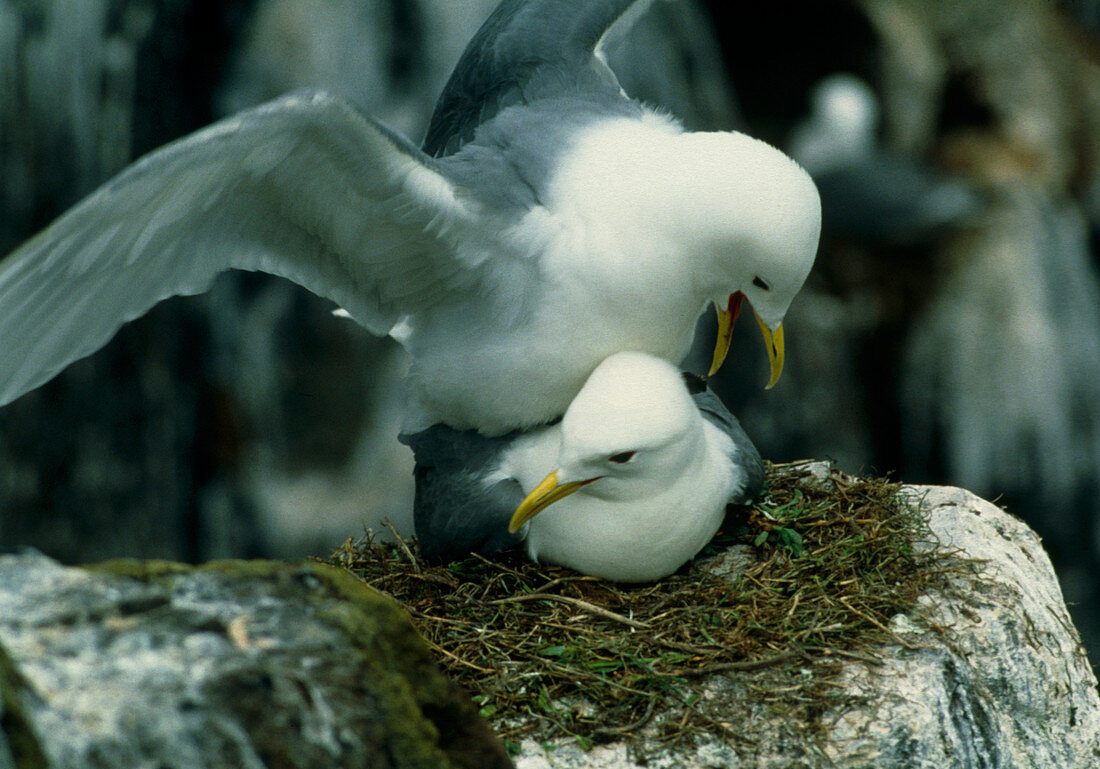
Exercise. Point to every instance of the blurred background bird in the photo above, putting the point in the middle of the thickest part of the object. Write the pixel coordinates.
(249, 421)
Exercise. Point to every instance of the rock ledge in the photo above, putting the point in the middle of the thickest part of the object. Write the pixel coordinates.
(990, 672)
(233, 664)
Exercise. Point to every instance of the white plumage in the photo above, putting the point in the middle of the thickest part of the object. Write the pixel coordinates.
(570, 225)
(638, 480)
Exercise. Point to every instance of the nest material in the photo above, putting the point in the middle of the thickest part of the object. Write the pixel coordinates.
(809, 576)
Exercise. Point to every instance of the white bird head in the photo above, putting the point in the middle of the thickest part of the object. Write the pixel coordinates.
(732, 212)
(754, 225)
(629, 433)
(846, 110)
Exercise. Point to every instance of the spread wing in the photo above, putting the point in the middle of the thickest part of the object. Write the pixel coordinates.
(304, 187)
(526, 50)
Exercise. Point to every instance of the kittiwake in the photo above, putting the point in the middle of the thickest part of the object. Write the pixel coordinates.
(549, 222)
(631, 484)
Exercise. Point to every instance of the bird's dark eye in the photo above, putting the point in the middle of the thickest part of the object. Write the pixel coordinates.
(759, 283)
(621, 458)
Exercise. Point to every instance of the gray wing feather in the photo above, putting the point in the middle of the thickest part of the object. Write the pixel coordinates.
(747, 457)
(457, 510)
(526, 50)
(304, 187)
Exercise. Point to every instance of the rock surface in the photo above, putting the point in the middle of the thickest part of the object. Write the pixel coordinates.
(988, 673)
(260, 664)
(234, 664)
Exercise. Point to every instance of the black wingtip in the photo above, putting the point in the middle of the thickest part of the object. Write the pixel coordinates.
(695, 383)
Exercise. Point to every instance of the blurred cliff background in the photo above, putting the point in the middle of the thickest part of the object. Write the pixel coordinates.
(950, 332)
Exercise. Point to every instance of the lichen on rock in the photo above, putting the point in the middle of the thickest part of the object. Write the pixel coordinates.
(242, 664)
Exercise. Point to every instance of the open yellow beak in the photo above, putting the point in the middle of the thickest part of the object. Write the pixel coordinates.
(773, 340)
(542, 496)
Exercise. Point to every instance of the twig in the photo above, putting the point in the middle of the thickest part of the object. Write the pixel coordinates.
(560, 580)
(574, 628)
(403, 545)
(591, 608)
(698, 651)
(574, 675)
(847, 602)
(418, 614)
(633, 727)
(793, 463)
(497, 566)
(868, 658)
(458, 659)
(742, 666)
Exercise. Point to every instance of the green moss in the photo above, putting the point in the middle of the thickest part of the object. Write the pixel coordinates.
(133, 568)
(14, 728)
(430, 722)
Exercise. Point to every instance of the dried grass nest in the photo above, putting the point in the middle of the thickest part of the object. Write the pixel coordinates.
(805, 578)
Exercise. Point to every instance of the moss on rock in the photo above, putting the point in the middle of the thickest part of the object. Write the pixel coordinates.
(297, 665)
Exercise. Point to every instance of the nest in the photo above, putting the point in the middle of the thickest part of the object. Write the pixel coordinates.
(806, 578)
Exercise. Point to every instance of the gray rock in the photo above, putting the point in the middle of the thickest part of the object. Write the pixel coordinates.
(989, 672)
(234, 664)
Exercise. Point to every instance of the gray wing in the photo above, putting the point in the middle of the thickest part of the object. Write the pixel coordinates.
(459, 507)
(526, 50)
(748, 457)
(304, 187)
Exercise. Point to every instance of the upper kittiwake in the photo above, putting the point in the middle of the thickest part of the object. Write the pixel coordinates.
(548, 222)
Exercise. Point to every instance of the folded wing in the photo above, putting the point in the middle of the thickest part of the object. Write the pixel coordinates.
(747, 456)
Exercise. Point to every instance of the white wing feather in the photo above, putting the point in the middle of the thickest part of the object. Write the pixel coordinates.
(303, 187)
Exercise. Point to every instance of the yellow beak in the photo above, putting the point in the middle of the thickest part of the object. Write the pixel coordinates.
(542, 496)
(773, 340)
(727, 317)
